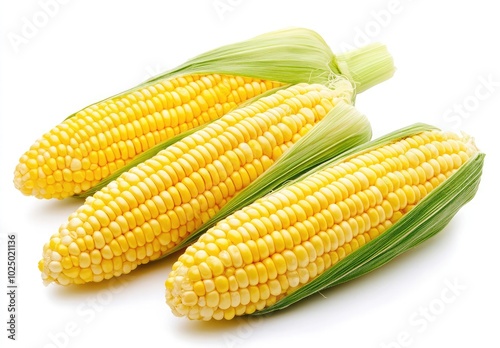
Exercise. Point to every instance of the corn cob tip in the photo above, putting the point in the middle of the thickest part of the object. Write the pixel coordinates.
(174, 292)
(49, 265)
(45, 277)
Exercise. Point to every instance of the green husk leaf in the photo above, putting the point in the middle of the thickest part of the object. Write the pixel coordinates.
(342, 128)
(425, 220)
(291, 55)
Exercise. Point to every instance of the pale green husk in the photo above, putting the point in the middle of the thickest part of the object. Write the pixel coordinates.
(290, 56)
(293, 55)
(426, 219)
(342, 128)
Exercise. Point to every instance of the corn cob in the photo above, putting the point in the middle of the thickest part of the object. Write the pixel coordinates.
(284, 244)
(93, 146)
(78, 153)
(152, 208)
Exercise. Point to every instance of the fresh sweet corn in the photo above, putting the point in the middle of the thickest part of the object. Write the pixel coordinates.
(149, 210)
(93, 146)
(100, 139)
(284, 242)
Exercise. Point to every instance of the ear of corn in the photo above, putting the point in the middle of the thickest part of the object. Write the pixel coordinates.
(341, 220)
(96, 142)
(148, 211)
(94, 145)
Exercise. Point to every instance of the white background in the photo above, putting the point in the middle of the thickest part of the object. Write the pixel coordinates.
(88, 50)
